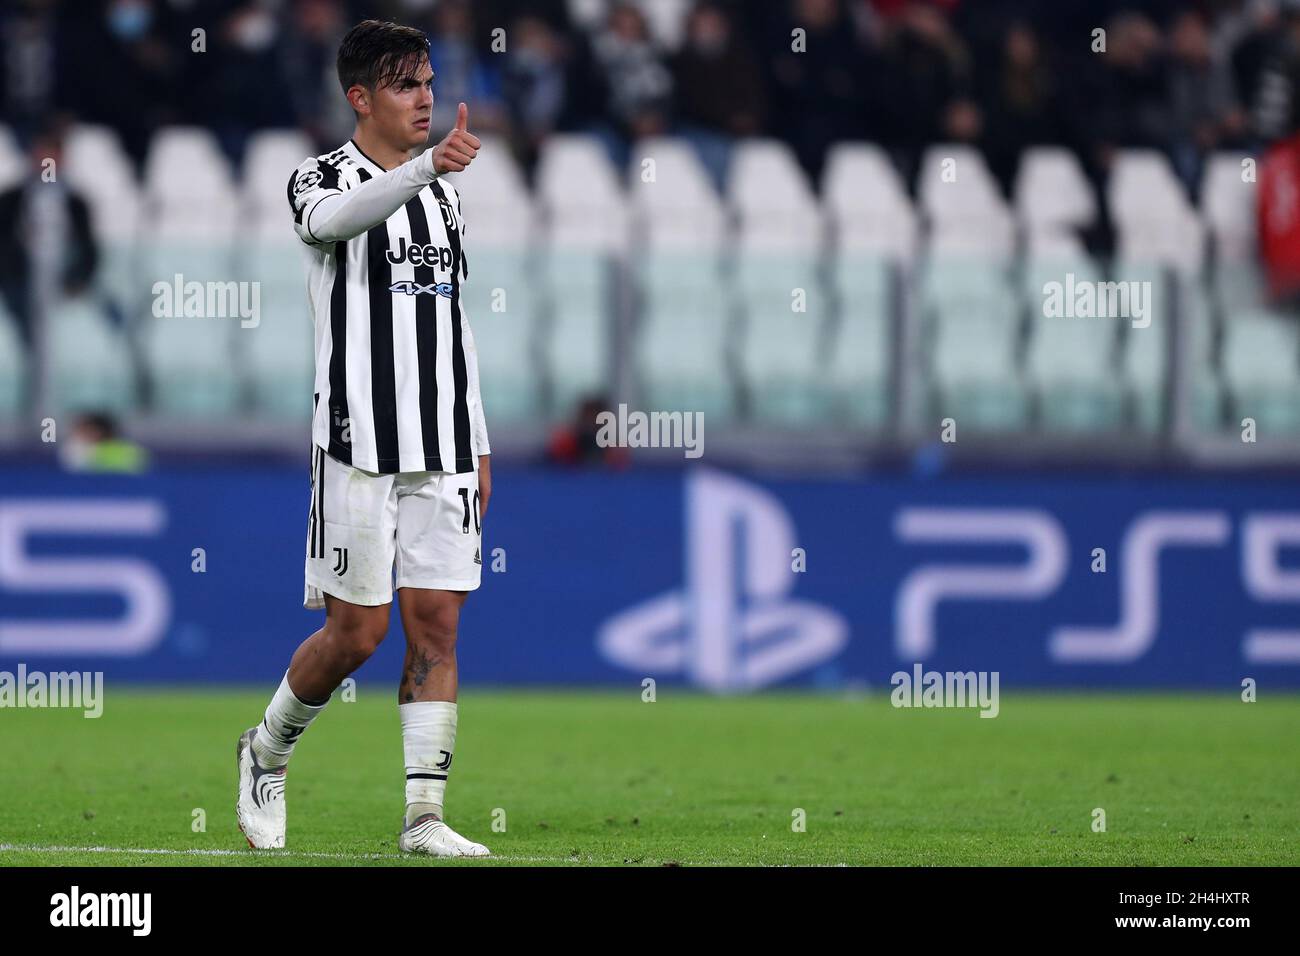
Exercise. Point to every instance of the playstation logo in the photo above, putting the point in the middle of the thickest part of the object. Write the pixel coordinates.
(734, 625)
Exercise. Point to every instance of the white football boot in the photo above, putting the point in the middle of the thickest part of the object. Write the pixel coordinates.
(260, 807)
(430, 835)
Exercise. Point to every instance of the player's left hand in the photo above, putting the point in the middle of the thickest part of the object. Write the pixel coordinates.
(484, 484)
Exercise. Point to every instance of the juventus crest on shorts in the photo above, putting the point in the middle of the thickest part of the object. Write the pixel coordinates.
(396, 371)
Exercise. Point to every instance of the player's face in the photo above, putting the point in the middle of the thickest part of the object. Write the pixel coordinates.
(402, 109)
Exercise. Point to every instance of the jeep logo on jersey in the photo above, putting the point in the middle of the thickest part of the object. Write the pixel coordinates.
(415, 288)
(417, 255)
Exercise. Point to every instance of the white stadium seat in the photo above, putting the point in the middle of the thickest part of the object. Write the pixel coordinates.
(580, 190)
(90, 364)
(575, 285)
(499, 210)
(279, 351)
(773, 198)
(1155, 220)
(1228, 203)
(1052, 191)
(99, 169)
(503, 306)
(964, 285)
(962, 203)
(1052, 242)
(185, 167)
(1260, 371)
(780, 346)
(677, 208)
(272, 157)
(683, 340)
(867, 202)
(94, 154)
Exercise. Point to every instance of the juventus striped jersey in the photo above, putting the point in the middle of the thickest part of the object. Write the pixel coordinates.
(396, 370)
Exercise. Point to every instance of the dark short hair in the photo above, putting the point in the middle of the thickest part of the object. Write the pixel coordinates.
(377, 53)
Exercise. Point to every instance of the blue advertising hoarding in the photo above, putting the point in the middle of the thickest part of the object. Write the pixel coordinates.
(724, 581)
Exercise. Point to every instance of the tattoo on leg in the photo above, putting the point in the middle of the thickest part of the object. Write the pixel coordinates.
(415, 672)
(420, 672)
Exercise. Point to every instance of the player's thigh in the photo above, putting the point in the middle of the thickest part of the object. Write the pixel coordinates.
(439, 533)
(351, 535)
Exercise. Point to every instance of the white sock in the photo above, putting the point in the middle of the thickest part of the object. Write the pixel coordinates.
(286, 718)
(428, 741)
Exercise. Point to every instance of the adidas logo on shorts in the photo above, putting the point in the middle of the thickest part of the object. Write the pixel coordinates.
(477, 559)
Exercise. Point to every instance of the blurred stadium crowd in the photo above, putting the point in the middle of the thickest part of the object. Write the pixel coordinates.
(1178, 76)
(799, 149)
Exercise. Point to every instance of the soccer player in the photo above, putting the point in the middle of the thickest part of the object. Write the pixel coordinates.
(400, 477)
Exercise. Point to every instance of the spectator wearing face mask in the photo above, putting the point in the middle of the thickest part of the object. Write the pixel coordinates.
(1204, 114)
(1021, 102)
(718, 88)
(819, 90)
(463, 74)
(34, 56)
(929, 70)
(241, 88)
(1130, 103)
(534, 84)
(636, 83)
(309, 50)
(128, 64)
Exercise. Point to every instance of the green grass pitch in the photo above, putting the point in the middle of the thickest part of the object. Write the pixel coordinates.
(602, 778)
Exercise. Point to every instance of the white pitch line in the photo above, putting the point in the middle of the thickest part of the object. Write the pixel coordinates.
(251, 854)
(282, 854)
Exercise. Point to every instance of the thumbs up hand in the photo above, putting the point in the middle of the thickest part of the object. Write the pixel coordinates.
(458, 148)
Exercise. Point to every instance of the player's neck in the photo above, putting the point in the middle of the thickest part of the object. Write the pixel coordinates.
(377, 150)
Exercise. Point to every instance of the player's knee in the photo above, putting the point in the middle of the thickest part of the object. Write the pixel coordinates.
(358, 638)
(435, 629)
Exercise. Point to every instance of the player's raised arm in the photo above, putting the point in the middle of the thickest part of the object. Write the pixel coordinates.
(325, 214)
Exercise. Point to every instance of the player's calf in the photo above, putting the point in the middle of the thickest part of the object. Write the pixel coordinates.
(352, 633)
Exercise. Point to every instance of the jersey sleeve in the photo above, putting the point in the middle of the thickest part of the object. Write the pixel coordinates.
(329, 207)
(310, 183)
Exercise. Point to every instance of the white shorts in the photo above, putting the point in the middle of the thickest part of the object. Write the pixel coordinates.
(362, 528)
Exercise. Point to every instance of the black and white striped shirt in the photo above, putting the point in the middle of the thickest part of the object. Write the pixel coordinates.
(396, 369)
